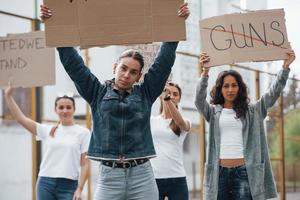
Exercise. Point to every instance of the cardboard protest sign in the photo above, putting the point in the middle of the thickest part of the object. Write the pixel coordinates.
(255, 36)
(114, 22)
(25, 61)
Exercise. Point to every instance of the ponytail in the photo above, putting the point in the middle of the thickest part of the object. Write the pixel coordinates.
(53, 129)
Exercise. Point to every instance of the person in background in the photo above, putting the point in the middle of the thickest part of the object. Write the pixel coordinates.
(237, 162)
(169, 130)
(64, 167)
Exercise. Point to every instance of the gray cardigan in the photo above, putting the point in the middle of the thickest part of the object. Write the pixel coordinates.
(256, 154)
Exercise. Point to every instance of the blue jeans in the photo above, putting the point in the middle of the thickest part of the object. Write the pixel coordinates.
(173, 188)
(55, 188)
(233, 184)
(135, 183)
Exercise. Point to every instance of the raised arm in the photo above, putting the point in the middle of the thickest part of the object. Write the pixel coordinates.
(16, 112)
(155, 79)
(273, 93)
(201, 91)
(86, 83)
(170, 107)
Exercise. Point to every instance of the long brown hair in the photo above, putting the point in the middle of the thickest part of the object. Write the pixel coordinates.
(240, 104)
(175, 128)
(53, 129)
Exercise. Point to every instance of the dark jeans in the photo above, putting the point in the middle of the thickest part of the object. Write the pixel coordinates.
(173, 188)
(55, 188)
(233, 184)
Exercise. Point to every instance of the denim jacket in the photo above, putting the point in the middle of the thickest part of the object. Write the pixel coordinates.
(256, 154)
(121, 124)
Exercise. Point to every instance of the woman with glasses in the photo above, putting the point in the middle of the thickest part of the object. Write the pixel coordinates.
(64, 167)
(237, 163)
(169, 130)
(121, 138)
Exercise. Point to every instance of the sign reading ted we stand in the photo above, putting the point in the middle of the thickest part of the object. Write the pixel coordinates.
(89, 23)
(25, 61)
(255, 36)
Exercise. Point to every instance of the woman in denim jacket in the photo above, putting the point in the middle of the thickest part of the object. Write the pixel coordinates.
(121, 138)
(237, 163)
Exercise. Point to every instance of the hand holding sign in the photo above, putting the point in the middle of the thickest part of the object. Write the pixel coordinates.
(45, 12)
(289, 59)
(79, 23)
(204, 59)
(184, 11)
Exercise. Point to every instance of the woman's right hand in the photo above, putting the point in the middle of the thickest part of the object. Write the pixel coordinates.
(204, 58)
(46, 13)
(289, 59)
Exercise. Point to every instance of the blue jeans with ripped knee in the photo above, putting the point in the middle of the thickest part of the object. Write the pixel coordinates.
(233, 184)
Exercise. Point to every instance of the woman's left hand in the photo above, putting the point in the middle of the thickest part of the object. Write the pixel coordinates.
(77, 194)
(184, 11)
(290, 58)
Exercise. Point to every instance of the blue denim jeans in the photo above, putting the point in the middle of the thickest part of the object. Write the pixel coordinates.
(233, 184)
(55, 188)
(173, 188)
(135, 183)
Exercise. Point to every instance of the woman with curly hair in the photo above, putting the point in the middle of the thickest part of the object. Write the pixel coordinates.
(237, 163)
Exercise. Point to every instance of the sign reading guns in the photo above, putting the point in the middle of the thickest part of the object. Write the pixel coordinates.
(255, 36)
(25, 61)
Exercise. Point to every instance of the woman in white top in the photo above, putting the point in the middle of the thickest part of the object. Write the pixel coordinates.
(64, 161)
(169, 130)
(237, 162)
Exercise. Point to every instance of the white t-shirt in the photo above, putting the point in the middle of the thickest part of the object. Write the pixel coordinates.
(61, 158)
(231, 131)
(168, 147)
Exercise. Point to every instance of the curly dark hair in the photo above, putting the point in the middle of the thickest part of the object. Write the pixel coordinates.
(240, 104)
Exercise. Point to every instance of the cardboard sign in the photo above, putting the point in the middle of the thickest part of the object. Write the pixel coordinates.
(113, 22)
(25, 61)
(255, 36)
